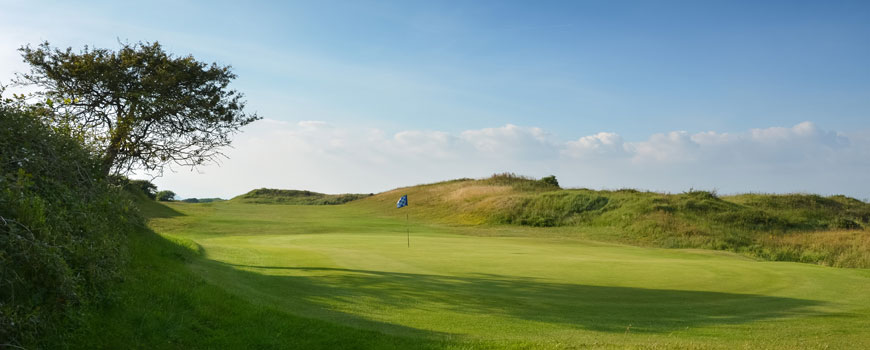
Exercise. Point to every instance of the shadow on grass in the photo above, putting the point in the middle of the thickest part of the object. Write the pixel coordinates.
(598, 308)
(162, 304)
(152, 209)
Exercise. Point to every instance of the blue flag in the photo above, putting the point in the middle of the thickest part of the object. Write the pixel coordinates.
(403, 202)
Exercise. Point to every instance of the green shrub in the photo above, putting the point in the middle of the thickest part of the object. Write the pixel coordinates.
(148, 188)
(144, 187)
(550, 180)
(165, 196)
(844, 223)
(62, 226)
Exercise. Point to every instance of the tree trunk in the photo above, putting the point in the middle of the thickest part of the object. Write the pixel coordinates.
(122, 130)
(111, 154)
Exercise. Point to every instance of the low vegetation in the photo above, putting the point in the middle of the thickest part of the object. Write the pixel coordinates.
(295, 197)
(766, 226)
(62, 227)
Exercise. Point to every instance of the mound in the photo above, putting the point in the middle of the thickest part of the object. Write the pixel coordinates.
(295, 197)
(794, 227)
(511, 199)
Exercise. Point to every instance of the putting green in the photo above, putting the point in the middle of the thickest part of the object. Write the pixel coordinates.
(341, 264)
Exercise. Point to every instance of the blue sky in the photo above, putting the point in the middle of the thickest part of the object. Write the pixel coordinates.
(467, 72)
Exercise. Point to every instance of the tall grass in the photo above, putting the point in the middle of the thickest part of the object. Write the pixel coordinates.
(838, 248)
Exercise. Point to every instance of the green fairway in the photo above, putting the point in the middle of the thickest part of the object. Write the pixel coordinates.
(539, 288)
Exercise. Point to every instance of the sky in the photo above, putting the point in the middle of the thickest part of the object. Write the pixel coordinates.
(363, 97)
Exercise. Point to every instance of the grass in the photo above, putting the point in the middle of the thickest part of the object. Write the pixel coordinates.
(164, 304)
(235, 275)
(758, 225)
(840, 248)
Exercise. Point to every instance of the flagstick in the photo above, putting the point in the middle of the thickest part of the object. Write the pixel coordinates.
(409, 229)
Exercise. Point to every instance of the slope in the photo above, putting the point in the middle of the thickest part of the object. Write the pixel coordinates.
(789, 227)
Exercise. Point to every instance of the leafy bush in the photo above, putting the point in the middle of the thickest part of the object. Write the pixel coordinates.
(165, 196)
(550, 180)
(62, 226)
(145, 187)
(844, 223)
(148, 188)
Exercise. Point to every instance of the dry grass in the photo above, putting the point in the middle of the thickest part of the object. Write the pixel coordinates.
(791, 227)
(476, 193)
(839, 248)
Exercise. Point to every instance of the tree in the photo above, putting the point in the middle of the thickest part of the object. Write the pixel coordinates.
(165, 196)
(139, 107)
(148, 188)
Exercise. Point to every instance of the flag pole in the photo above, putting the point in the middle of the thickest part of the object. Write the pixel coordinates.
(403, 202)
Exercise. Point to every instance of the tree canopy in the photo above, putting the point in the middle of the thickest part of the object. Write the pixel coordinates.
(139, 107)
(165, 196)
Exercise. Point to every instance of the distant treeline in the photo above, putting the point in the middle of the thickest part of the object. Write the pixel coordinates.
(202, 200)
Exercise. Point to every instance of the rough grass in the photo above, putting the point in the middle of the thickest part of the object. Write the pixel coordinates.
(839, 248)
(694, 219)
(297, 197)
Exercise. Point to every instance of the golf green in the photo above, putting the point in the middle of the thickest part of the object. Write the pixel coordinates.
(528, 288)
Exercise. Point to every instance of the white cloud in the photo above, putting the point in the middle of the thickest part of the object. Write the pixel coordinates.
(606, 144)
(312, 124)
(775, 144)
(675, 146)
(323, 157)
(512, 141)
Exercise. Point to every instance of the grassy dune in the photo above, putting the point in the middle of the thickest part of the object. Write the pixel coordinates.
(347, 271)
(767, 226)
(275, 196)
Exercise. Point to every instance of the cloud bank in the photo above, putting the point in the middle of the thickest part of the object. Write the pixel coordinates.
(320, 156)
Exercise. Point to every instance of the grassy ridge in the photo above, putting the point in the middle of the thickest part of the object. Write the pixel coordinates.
(295, 197)
(775, 227)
